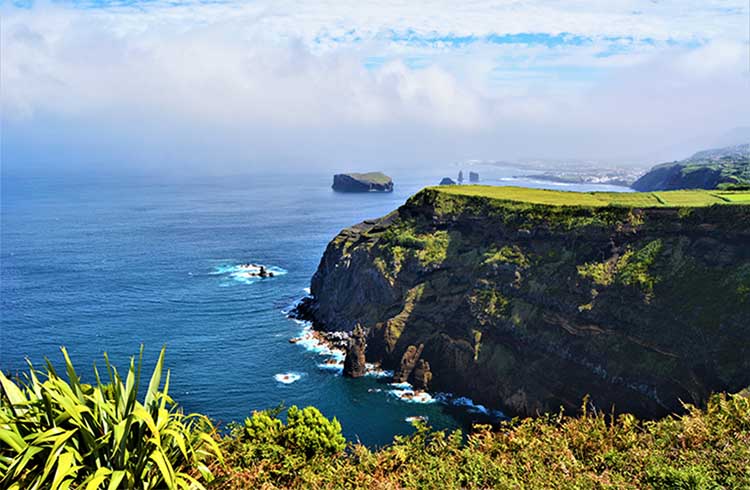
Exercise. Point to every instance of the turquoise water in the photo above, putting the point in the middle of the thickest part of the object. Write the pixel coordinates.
(108, 264)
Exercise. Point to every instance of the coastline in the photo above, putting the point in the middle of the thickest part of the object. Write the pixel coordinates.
(332, 346)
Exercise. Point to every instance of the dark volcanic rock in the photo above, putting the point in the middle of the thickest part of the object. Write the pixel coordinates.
(473, 177)
(408, 362)
(422, 376)
(369, 182)
(447, 181)
(354, 362)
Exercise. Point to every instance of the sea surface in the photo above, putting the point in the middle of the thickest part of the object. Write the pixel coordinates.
(110, 263)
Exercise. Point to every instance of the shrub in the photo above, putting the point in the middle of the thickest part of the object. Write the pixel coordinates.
(264, 450)
(60, 434)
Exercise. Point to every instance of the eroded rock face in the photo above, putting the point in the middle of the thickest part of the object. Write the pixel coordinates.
(408, 362)
(422, 376)
(529, 308)
(354, 362)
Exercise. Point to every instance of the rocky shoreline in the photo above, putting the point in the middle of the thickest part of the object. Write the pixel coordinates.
(346, 351)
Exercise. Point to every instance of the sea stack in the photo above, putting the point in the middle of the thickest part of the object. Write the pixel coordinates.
(474, 177)
(408, 362)
(354, 362)
(447, 181)
(369, 182)
(422, 376)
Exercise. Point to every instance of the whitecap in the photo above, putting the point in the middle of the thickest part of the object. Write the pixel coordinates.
(245, 274)
(337, 367)
(417, 418)
(402, 386)
(287, 378)
(373, 370)
(410, 396)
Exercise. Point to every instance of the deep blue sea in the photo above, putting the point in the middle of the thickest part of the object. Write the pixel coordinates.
(110, 263)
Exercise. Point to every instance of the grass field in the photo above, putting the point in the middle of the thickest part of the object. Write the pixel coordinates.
(375, 177)
(687, 198)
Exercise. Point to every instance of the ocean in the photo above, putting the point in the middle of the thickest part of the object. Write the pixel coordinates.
(101, 264)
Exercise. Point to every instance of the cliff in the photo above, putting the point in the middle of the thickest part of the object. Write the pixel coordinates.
(369, 182)
(529, 300)
(708, 169)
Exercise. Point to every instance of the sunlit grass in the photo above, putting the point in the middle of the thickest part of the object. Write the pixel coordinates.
(686, 198)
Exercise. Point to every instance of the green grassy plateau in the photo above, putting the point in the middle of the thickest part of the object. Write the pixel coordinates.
(673, 199)
(374, 177)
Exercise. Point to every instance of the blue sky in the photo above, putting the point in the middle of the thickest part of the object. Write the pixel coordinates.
(167, 84)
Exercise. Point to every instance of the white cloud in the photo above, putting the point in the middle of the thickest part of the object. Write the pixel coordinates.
(288, 80)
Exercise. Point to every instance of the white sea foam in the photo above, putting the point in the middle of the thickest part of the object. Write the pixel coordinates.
(417, 418)
(287, 378)
(411, 396)
(401, 386)
(406, 392)
(375, 371)
(245, 274)
(336, 368)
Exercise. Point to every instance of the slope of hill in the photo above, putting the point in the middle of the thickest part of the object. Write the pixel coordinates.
(709, 169)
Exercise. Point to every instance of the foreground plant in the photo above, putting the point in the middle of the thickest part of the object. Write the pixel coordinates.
(59, 434)
(264, 449)
(701, 449)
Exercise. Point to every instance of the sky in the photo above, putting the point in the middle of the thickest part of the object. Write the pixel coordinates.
(223, 87)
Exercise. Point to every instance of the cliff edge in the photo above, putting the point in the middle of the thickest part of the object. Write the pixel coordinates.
(528, 300)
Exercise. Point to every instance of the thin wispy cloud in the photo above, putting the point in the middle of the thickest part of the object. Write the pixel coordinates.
(311, 83)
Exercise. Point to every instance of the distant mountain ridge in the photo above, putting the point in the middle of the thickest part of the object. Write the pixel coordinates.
(707, 169)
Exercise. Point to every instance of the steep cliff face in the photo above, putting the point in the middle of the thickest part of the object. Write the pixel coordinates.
(528, 307)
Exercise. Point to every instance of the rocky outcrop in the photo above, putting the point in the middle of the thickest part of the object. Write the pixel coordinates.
(408, 362)
(354, 362)
(369, 182)
(529, 307)
(473, 177)
(447, 181)
(422, 376)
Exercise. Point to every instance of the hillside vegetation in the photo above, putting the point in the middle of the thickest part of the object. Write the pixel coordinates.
(46, 442)
(709, 169)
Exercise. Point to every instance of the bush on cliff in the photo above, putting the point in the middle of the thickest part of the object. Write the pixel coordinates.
(702, 449)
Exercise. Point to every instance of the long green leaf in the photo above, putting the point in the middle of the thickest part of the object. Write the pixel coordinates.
(153, 385)
(164, 466)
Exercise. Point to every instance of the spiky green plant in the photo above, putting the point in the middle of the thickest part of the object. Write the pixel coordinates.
(57, 433)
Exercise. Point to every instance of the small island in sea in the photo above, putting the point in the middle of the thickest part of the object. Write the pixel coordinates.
(367, 182)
